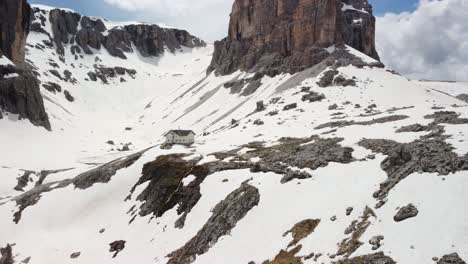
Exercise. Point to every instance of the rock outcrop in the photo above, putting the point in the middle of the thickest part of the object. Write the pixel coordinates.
(19, 89)
(14, 28)
(276, 36)
(20, 94)
(377, 258)
(225, 217)
(451, 259)
(432, 155)
(85, 180)
(406, 212)
(6, 255)
(116, 247)
(83, 34)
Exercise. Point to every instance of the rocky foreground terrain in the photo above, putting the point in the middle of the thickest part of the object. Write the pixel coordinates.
(308, 149)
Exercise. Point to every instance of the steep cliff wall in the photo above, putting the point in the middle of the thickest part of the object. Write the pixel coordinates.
(20, 94)
(290, 35)
(14, 28)
(19, 89)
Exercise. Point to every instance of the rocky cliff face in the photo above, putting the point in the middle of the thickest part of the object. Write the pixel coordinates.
(19, 89)
(290, 35)
(20, 94)
(14, 28)
(83, 34)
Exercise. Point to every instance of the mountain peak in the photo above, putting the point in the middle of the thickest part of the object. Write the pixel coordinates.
(289, 36)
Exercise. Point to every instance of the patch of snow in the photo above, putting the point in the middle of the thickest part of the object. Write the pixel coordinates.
(187, 180)
(357, 21)
(360, 55)
(10, 76)
(50, 8)
(208, 158)
(5, 61)
(347, 7)
(255, 159)
(331, 49)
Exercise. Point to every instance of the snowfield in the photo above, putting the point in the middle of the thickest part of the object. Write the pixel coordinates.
(174, 91)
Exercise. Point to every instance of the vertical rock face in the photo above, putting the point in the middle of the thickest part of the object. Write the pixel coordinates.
(21, 95)
(14, 28)
(19, 89)
(357, 26)
(290, 35)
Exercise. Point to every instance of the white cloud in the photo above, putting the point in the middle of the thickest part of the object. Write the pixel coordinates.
(430, 43)
(207, 19)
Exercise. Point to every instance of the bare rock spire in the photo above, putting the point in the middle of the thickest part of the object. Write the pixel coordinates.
(291, 35)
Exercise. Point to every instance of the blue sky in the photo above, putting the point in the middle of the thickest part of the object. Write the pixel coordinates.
(393, 6)
(89, 7)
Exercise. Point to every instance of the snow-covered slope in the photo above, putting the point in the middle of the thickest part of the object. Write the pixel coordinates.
(332, 164)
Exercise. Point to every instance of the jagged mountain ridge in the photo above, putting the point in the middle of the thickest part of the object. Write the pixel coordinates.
(91, 33)
(312, 167)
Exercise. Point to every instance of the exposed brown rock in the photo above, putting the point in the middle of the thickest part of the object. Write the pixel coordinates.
(357, 228)
(289, 36)
(377, 258)
(14, 28)
(286, 257)
(302, 229)
(299, 231)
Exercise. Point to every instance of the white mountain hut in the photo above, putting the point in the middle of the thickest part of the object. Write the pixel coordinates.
(181, 137)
